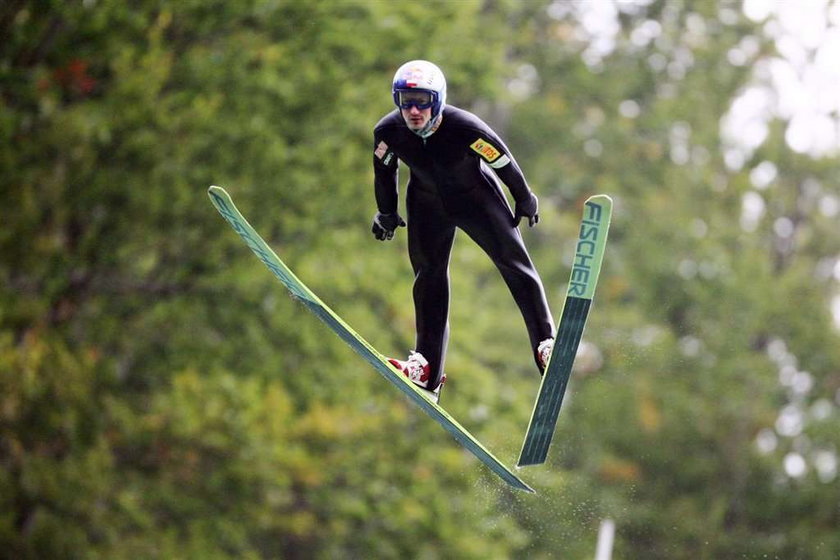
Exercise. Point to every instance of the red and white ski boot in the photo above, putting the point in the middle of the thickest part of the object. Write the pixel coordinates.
(544, 353)
(417, 369)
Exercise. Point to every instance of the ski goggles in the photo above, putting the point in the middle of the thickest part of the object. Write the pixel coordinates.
(422, 99)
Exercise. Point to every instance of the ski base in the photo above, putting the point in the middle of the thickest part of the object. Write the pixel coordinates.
(589, 255)
(224, 204)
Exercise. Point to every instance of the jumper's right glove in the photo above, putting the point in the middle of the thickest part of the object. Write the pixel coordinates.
(527, 209)
(384, 225)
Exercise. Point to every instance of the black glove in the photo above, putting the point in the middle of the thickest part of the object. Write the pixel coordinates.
(384, 225)
(527, 209)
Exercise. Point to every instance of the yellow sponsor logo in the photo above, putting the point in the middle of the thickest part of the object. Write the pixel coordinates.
(486, 150)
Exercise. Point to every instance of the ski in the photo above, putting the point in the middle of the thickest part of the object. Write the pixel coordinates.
(224, 204)
(589, 254)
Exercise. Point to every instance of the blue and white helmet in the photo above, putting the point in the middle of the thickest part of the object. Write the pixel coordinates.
(421, 76)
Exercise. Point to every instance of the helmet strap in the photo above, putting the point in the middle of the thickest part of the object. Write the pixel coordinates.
(431, 127)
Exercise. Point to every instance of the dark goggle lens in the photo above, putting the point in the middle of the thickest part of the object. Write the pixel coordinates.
(419, 99)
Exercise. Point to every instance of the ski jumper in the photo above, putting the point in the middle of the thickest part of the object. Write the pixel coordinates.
(451, 186)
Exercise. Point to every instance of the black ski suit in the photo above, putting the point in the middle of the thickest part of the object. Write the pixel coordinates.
(451, 186)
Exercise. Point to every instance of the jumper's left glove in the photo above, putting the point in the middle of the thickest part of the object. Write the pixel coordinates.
(527, 209)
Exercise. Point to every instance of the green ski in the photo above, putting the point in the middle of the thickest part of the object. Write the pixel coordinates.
(589, 254)
(223, 203)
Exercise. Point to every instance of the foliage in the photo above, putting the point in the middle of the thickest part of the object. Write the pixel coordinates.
(160, 396)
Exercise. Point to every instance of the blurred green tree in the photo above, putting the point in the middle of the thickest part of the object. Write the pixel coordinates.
(159, 397)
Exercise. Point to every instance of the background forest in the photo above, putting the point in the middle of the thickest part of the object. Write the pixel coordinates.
(162, 397)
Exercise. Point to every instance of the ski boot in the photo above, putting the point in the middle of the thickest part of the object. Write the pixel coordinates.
(544, 353)
(417, 369)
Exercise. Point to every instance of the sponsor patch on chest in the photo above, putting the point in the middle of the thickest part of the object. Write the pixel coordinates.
(486, 150)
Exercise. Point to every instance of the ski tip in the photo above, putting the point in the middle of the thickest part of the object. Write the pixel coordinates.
(600, 198)
(215, 188)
